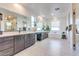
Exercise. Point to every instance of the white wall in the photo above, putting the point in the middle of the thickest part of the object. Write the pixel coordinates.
(18, 8)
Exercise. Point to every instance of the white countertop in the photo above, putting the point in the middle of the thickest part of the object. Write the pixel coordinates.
(6, 34)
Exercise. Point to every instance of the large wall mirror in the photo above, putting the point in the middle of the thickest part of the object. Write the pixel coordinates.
(13, 21)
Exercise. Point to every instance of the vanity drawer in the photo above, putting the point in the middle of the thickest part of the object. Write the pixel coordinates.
(5, 39)
(30, 40)
(27, 45)
(27, 38)
(19, 43)
(6, 52)
(6, 44)
(8, 38)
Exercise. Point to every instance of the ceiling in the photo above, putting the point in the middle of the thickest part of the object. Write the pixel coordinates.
(47, 9)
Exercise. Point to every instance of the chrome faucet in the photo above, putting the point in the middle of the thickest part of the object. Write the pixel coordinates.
(19, 30)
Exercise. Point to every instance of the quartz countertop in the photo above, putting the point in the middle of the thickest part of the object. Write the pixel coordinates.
(6, 34)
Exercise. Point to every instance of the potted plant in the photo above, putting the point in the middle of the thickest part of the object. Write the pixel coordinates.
(69, 28)
(46, 28)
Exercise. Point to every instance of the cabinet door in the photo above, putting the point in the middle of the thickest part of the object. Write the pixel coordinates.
(22, 41)
(45, 35)
(32, 39)
(39, 36)
(19, 43)
(27, 40)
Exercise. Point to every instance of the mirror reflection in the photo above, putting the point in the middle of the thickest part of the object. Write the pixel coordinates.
(14, 22)
(10, 23)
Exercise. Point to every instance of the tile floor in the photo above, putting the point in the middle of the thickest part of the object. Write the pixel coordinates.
(49, 47)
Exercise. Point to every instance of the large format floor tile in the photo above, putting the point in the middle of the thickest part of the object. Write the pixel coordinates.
(49, 47)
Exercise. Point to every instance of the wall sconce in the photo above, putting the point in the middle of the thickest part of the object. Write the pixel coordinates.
(9, 17)
(1, 16)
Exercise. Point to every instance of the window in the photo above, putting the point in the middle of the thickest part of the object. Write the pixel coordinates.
(55, 25)
(33, 21)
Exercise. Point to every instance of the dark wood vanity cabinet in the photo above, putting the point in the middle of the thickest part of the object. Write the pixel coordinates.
(44, 35)
(19, 43)
(29, 40)
(14, 44)
(6, 46)
(32, 39)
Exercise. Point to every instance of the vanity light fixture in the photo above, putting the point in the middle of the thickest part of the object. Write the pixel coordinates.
(1, 16)
(9, 16)
(5, 18)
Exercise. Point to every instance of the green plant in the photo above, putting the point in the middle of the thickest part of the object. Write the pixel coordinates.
(69, 28)
(43, 28)
(46, 28)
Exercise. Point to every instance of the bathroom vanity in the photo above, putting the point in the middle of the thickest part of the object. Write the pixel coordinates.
(17, 34)
(14, 42)
(42, 35)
